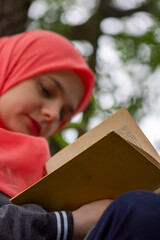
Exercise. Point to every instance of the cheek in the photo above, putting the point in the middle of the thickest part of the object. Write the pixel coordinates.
(5, 108)
(11, 107)
(76, 99)
(8, 112)
(9, 102)
(75, 96)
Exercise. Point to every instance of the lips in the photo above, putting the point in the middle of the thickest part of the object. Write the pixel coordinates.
(35, 127)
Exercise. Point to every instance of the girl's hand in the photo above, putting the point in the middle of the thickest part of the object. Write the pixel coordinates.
(86, 217)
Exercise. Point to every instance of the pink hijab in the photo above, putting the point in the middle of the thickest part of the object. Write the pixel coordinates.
(22, 157)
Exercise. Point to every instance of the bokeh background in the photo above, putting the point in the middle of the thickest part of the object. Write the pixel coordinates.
(120, 39)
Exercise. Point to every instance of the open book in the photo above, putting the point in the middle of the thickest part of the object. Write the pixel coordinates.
(109, 160)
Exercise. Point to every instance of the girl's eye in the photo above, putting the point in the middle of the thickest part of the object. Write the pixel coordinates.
(45, 90)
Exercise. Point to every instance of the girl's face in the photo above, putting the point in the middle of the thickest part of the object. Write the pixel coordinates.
(39, 105)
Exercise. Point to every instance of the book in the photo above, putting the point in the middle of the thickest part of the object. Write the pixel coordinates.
(113, 158)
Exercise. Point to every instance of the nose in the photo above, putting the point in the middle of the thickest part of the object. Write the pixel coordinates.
(51, 112)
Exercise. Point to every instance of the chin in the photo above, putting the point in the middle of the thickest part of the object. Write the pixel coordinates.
(18, 130)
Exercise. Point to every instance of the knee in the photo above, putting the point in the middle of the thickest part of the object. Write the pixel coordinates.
(134, 215)
(139, 200)
(139, 209)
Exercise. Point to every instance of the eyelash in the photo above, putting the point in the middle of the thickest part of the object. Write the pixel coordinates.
(45, 90)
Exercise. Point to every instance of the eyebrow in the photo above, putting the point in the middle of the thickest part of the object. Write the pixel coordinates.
(57, 83)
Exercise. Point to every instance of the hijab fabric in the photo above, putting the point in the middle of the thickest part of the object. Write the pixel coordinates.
(22, 56)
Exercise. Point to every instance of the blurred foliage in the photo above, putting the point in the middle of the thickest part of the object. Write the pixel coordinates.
(120, 40)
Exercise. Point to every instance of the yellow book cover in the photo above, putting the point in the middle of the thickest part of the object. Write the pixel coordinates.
(109, 160)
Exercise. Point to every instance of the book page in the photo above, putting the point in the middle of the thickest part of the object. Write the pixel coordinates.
(126, 133)
(121, 122)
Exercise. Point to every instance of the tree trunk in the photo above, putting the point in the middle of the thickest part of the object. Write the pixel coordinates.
(13, 16)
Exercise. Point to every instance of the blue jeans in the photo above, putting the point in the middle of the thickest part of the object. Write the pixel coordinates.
(132, 216)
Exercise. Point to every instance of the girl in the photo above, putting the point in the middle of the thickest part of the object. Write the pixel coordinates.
(44, 81)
